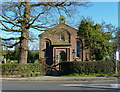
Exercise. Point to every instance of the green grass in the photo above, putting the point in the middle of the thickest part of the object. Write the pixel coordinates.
(90, 75)
(36, 74)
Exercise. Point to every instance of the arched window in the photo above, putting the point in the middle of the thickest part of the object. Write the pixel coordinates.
(47, 49)
(62, 37)
(78, 49)
(47, 44)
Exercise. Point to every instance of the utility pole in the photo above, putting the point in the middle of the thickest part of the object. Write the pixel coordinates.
(117, 59)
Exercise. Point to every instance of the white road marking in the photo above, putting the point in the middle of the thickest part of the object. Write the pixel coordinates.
(115, 85)
(93, 85)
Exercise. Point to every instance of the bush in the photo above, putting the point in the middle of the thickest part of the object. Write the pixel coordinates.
(8, 61)
(32, 56)
(21, 70)
(89, 67)
(37, 61)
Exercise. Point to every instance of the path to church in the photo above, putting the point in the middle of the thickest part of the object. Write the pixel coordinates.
(61, 85)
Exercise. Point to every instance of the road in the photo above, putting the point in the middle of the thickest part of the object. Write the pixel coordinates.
(61, 85)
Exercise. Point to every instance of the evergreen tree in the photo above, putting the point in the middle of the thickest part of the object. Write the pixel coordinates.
(96, 40)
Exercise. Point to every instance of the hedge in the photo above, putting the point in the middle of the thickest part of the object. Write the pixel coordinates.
(37, 69)
(88, 67)
(21, 70)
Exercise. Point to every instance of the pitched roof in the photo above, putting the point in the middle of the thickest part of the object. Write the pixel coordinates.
(57, 27)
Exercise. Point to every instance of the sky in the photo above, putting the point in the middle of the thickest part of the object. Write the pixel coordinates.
(107, 11)
(98, 11)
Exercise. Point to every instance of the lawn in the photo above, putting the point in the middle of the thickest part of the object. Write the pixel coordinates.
(90, 75)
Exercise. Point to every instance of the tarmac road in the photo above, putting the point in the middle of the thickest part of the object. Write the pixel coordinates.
(61, 85)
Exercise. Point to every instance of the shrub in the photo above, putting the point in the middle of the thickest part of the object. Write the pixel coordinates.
(21, 70)
(8, 61)
(37, 61)
(89, 67)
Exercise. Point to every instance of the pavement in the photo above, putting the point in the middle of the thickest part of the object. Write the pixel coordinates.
(57, 78)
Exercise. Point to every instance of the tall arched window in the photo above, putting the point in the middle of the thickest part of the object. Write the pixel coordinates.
(78, 49)
(47, 49)
(47, 44)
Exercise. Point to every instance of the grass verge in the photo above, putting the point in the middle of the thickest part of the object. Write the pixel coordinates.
(90, 75)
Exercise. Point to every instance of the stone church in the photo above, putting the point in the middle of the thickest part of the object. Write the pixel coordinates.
(61, 43)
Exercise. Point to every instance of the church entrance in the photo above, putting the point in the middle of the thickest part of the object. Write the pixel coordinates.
(62, 56)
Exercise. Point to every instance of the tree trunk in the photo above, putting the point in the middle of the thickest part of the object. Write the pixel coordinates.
(25, 35)
(23, 48)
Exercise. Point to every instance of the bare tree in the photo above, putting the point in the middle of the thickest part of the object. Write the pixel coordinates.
(20, 17)
(111, 29)
(1, 57)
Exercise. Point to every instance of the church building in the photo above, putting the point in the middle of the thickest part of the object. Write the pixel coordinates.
(61, 43)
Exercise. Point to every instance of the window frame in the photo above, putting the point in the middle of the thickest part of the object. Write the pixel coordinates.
(62, 37)
(78, 41)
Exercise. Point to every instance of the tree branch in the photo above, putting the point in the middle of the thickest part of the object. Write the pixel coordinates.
(10, 21)
(39, 29)
(11, 38)
(36, 18)
(36, 26)
(9, 30)
(52, 4)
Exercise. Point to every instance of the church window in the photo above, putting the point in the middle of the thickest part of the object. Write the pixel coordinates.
(46, 45)
(62, 37)
(78, 48)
